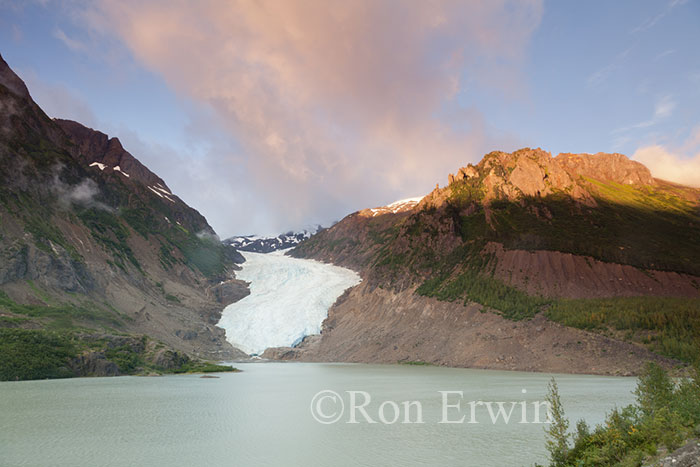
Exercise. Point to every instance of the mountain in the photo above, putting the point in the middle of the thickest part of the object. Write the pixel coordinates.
(99, 254)
(258, 244)
(575, 263)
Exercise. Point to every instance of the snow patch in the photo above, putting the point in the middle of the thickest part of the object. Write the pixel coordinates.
(289, 299)
(404, 203)
(161, 193)
(118, 169)
(154, 191)
(397, 206)
(162, 190)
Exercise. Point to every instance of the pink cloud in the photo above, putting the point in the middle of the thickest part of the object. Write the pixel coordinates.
(335, 103)
(680, 164)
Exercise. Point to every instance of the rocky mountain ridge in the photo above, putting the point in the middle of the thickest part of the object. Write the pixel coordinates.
(588, 241)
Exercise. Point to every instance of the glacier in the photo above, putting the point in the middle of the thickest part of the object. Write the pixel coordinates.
(289, 299)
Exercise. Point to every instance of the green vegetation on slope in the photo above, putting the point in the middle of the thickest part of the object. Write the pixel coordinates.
(667, 325)
(65, 315)
(664, 415)
(641, 226)
(34, 354)
(27, 354)
(69, 331)
(470, 285)
(177, 244)
(34, 214)
(111, 233)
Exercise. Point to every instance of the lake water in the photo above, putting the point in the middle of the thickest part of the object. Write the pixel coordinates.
(263, 417)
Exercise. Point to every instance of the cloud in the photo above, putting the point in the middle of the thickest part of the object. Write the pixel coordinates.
(83, 194)
(664, 54)
(204, 235)
(680, 165)
(651, 22)
(600, 76)
(73, 44)
(663, 109)
(333, 105)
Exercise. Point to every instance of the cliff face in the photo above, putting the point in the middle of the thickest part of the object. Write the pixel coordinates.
(535, 173)
(91, 239)
(587, 241)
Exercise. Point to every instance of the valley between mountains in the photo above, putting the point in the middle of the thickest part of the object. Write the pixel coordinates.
(579, 263)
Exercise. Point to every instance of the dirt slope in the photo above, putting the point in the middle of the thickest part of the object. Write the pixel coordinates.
(380, 326)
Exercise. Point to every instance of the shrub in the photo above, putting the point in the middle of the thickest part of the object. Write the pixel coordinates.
(664, 415)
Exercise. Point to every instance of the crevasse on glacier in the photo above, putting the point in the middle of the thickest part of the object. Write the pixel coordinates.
(289, 299)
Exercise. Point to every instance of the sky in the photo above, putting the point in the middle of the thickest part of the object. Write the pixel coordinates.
(268, 116)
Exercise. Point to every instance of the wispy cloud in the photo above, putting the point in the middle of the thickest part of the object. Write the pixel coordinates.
(600, 76)
(71, 43)
(653, 20)
(663, 109)
(664, 54)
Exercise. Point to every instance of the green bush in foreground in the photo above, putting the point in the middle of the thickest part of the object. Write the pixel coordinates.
(665, 414)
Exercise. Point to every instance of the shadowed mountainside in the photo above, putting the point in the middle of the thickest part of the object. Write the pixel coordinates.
(92, 243)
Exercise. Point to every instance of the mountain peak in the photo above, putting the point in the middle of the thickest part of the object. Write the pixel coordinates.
(613, 167)
(11, 81)
(96, 148)
(534, 172)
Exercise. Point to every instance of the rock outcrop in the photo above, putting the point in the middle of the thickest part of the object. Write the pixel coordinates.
(535, 173)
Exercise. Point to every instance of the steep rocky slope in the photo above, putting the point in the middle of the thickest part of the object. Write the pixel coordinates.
(92, 242)
(587, 241)
(384, 326)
